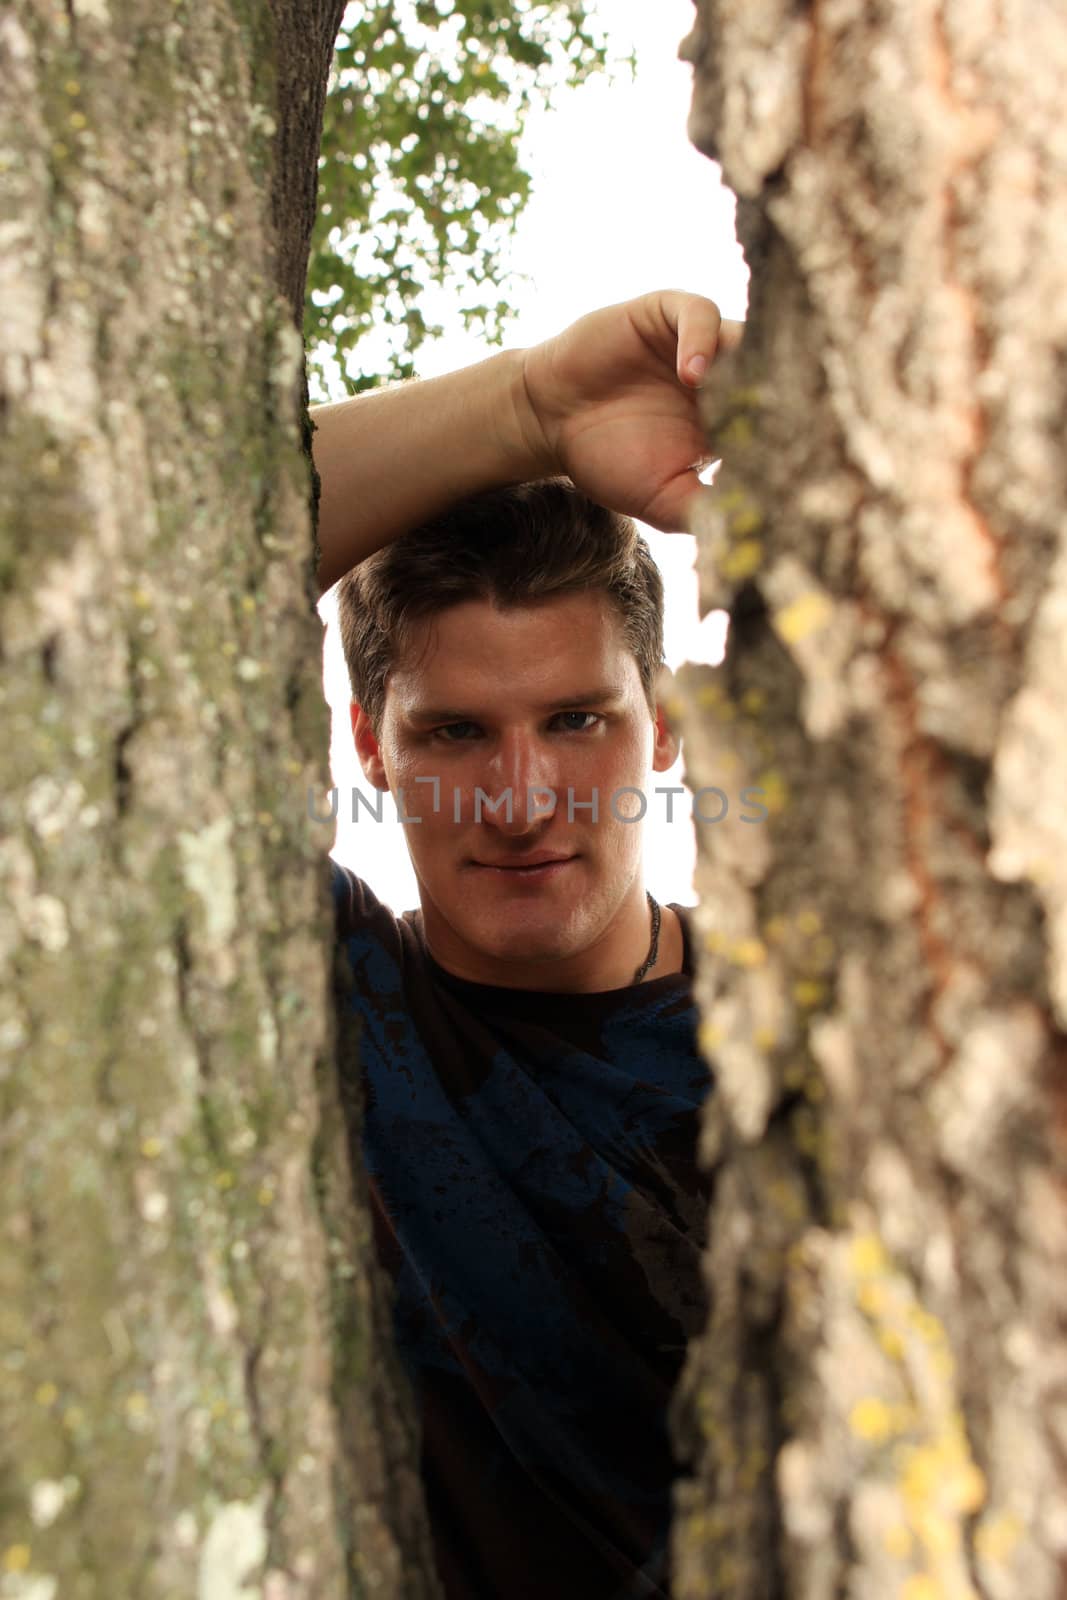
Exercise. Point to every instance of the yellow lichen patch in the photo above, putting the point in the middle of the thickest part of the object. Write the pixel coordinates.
(898, 1542)
(796, 1257)
(746, 520)
(775, 930)
(809, 923)
(996, 1537)
(803, 617)
(867, 1255)
(224, 1180)
(708, 695)
(773, 791)
(753, 701)
(742, 560)
(738, 432)
(729, 500)
(46, 1394)
(808, 993)
(709, 1037)
(938, 1533)
(891, 1343)
(872, 1299)
(969, 1487)
(765, 1039)
(749, 953)
(920, 1586)
(17, 1558)
(136, 1404)
(926, 1325)
(871, 1419)
(151, 1146)
(265, 1194)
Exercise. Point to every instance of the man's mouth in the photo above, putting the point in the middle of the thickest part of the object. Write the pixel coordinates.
(534, 868)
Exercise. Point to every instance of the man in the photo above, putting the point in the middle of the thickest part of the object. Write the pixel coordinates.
(531, 1080)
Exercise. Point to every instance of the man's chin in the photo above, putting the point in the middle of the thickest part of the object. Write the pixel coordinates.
(523, 933)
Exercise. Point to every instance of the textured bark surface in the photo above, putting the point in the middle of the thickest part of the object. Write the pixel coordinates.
(301, 48)
(195, 1373)
(879, 1406)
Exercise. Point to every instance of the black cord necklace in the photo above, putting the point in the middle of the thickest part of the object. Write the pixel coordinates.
(653, 949)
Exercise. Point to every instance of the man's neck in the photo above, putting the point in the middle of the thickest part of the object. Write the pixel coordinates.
(608, 963)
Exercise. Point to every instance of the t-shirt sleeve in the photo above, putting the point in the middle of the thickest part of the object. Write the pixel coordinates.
(359, 914)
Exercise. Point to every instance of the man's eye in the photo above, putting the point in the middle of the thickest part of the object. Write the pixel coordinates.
(586, 720)
(455, 732)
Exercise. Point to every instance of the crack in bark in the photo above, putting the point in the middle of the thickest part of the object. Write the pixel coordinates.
(919, 765)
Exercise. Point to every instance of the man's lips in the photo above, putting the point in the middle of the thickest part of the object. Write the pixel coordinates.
(542, 864)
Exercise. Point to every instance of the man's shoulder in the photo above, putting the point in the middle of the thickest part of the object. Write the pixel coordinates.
(354, 900)
(364, 924)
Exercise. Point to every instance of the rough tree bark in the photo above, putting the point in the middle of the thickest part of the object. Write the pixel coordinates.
(195, 1380)
(879, 1406)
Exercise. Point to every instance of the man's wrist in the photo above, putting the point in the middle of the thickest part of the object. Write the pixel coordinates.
(524, 442)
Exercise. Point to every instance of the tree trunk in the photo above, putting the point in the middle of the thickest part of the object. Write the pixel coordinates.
(196, 1380)
(879, 1405)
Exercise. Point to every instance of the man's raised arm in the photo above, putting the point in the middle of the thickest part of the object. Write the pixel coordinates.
(610, 403)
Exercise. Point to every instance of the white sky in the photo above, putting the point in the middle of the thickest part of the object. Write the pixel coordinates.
(622, 204)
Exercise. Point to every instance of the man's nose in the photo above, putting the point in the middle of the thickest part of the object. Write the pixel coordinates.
(522, 767)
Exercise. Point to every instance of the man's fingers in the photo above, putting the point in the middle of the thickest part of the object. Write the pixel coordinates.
(696, 321)
(703, 334)
(670, 510)
(730, 335)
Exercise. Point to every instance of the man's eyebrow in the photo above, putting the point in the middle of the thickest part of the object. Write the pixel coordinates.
(428, 714)
(598, 696)
(601, 694)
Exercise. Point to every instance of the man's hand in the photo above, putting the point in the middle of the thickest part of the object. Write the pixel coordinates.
(612, 402)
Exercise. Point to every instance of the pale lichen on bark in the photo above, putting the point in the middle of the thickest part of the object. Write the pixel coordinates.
(185, 1299)
(888, 532)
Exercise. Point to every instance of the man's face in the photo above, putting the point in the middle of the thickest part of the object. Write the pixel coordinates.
(539, 700)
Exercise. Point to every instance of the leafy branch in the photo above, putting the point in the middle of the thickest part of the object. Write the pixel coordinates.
(420, 176)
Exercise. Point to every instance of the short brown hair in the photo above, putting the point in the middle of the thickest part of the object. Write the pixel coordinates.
(512, 546)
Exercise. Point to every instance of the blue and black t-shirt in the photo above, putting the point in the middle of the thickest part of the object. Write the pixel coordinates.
(537, 1202)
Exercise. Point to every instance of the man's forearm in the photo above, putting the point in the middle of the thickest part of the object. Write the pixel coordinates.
(611, 402)
(394, 458)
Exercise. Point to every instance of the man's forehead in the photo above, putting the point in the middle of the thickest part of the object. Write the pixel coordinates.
(548, 653)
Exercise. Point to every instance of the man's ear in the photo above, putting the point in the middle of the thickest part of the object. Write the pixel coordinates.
(367, 748)
(666, 744)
